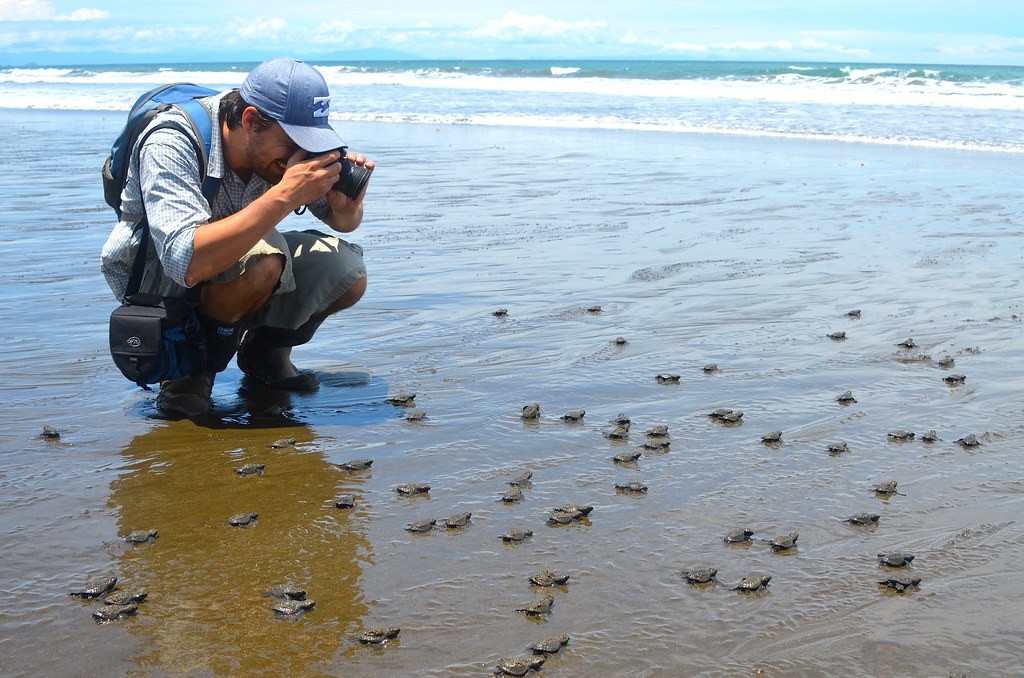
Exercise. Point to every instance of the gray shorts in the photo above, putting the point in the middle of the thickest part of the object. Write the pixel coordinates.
(318, 269)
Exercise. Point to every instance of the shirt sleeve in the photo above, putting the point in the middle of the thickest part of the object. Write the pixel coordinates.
(171, 184)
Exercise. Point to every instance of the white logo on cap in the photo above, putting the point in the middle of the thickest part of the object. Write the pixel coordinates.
(321, 107)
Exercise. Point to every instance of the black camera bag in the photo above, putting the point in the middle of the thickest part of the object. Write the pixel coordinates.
(154, 338)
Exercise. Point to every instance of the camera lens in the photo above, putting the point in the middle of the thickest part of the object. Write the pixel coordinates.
(353, 178)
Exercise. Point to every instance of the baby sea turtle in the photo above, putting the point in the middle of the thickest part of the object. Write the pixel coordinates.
(846, 397)
(727, 415)
(141, 536)
(418, 415)
(593, 309)
(854, 313)
(656, 444)
(531, 411)
(402, 399)
(895, 558)
(667, 378)
(784, 542)
(250, 469)
(710, 367)
(837, 336)
(659, 431)
(345, 501)
(289, 607)
(356, 465)
(946, 361)
(631, 488)
(626, 457)
(550, 645)
(863, 519)
(458, 520)
(549, 578)
(425, 525)
(620, 432)
(499, 312)
(522, 480)
(622, 419)
(518, 666)
(739, 536)
(283, 443)
(243, 519)
(969, 440)
(50, 433)
(568, 514)
(900, 434)
(109, 613)
(513, 494)
(377, 635)
(412, 488)
(955, 379)
(125, 597)
(838, 448)
(887, 488)
(95, 588)
(907, 343)
(900, 581)
(517, 534)
(574, 416)
(620, 341)
(930, 436)
(772, 437)
(752, 584)
(538, 607)
(702, 575)
(286, 592)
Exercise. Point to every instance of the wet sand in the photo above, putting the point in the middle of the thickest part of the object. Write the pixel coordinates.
(738, 251)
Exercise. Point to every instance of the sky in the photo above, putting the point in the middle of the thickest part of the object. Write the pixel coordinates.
(867, 31)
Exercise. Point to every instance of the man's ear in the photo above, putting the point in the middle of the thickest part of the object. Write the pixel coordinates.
(249, 117)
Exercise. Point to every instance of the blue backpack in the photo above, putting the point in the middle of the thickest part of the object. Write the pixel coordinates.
(180, 94)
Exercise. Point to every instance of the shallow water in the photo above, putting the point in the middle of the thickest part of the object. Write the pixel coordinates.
(741, 252)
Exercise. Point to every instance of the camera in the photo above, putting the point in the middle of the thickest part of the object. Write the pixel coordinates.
(353, 177)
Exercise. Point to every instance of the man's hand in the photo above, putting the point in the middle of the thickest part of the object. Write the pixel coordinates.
(346, 213)
(307, 178)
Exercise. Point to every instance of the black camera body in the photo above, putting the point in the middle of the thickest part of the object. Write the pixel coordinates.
(353, 178)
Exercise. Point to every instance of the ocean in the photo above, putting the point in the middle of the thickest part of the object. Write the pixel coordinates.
(733, 214)
(966, 107)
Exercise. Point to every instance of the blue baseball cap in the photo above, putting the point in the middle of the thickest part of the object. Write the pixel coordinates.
(295, 95)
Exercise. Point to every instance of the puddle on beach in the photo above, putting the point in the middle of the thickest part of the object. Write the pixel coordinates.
(742, 253)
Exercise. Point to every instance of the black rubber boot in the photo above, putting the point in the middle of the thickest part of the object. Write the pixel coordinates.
(265, 355)
(221, 342)
(188, 396)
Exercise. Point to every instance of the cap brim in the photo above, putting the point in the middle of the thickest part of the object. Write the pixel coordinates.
(313, 139)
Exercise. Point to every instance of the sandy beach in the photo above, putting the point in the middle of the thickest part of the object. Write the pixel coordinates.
(740, 251)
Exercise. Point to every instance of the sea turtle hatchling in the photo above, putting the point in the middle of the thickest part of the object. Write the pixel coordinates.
(784, 542)
(517, 534)
(522, 480)
(518, 666)
(425, 525)
(250, 469)
(109, 613)
(620, 432)
(837, 336)
(594, 309)
(863, 519)
(659, 431)
(946, 362)
(895, 558)
(772, 437)
(969, 440)
(955, 379)
(286, 592)
(345, 501)
(656, 444)
(243, 519)
(290, 607)
(125, 597)
(574, 416)
(622, 419)
(535, 608)
(631, 488)
(402, 399)
(550, 645)
(701, 575)
(900, 581)
(512, 495)
(620, 341)
(731, 417)
(377, 635)
(416, 415)
(846, 398)
(408, 489)
(930, 436)
(570, 513)
(900, 435)
(710, 368)
(283, 443)
(141, 536)
(549, 578)
(740, 536)
(887, 488)
(457, 520)
(907, 343)
(752, 584)
(626, 457)
(356, 465)
(95, 588)
(50, 433)
(853, 313)
(667, 378)
(499, 312)
(837, 448)
(531, 411)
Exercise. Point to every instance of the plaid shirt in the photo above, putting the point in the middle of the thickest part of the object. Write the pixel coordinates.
(164, 183)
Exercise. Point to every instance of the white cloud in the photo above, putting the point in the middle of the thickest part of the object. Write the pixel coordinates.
(26, 10)
(85, 14)
(333, 33)
(254, 31)
(515, 27)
